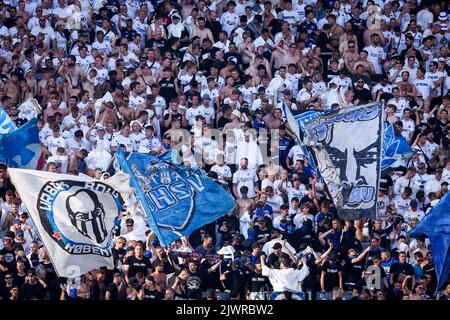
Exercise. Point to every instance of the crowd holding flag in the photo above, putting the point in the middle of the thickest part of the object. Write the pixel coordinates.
(176, 200)
(74, 216)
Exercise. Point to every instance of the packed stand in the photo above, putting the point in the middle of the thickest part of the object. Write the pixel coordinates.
(132, 74)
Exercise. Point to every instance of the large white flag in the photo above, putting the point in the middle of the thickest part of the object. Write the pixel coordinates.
(74, 216)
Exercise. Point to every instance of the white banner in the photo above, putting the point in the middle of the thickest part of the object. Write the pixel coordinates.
(74, 216)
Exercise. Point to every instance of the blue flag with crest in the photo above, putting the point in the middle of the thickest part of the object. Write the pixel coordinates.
(176, 200)
(436, 226)
(21, 148)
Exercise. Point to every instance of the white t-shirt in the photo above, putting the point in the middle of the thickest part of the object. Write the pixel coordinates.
(245, 178)
(424, 86)
(222, 171)
(374, 54)
(127, 141)
(53, 143)
(299, 193)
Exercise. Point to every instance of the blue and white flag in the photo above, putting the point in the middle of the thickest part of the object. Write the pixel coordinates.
(176, 200)
(436, 226)
(74, 216)
(347, 146)
(395, 148)
(21, 148)
(6, 124)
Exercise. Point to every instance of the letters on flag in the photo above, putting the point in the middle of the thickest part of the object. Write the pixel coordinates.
(21, 148)
(176, 200)
(6, 124)
(436, 226)
(347, 146)
(74, 216)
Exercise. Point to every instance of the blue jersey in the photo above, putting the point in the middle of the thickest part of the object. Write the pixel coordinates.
(309, 27)
(284, 145)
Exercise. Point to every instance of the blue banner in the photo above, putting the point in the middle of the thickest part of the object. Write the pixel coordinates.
(6, 124)
(436, 226)
(21, 148)
(395, 148)
(176, 200)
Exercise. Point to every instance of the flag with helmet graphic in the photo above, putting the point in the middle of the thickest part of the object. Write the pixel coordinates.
(74, 216)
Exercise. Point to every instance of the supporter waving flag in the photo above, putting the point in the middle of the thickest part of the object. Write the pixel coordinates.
(347, 145)
(176, 200)
(74, 216)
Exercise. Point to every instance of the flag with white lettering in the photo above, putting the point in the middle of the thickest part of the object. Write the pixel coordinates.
(176, 200)
(74, 216)
(347, 146)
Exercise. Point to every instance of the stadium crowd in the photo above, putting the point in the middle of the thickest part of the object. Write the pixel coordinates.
(112, 74)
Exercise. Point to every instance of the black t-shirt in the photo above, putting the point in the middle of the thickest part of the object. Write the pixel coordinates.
(5, 292)
(118, 255)
(256, 282)
(404, 268)
(152, 295)
(33, 291)
(260, 234)
(237, 283)
(167, 89)
(159, 43)
(353, 271)
(9, 259)
(19, 280)
(364, 95)
(222, 122)
(195, 284)
(7, 185)
(331, 274)
(167, 267)
(272, 259)
(137, 265)
(113, 290)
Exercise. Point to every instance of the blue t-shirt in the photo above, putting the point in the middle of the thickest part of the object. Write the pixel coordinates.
(284, 145)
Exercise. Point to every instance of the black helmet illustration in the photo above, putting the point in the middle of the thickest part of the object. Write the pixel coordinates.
(87, 214)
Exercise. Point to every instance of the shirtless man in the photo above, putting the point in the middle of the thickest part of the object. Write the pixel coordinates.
(368, 66)
(201, 31)
(11, 89)
(351, 56)
(54, 108)
(407, 89)
(292, 55)
(336, 31)
(227, 90)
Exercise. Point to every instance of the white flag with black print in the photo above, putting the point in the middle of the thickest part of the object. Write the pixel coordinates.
(74, 216)
(347, 145)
